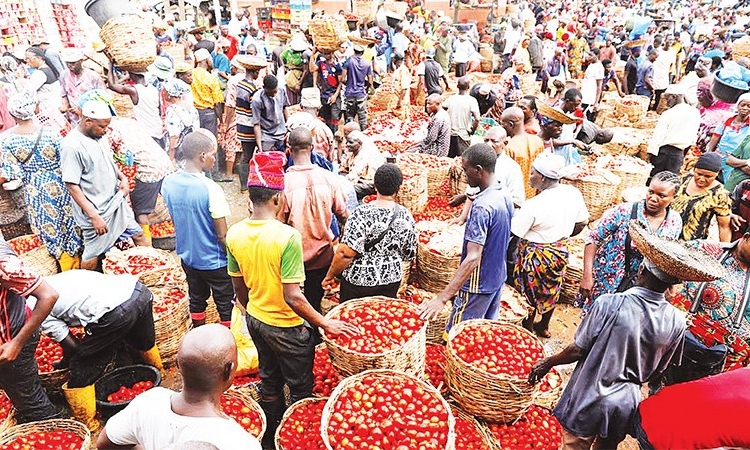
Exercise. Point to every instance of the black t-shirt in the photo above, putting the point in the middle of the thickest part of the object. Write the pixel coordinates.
(486, 102)
(432, 77)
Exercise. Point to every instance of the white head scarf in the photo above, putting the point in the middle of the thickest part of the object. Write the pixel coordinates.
(550, 166)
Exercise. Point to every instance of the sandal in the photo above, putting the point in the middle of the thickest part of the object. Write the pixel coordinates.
(541, 333)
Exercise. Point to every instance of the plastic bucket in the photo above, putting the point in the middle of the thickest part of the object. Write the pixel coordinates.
(725, 92)
(103, 10)
(124, 376)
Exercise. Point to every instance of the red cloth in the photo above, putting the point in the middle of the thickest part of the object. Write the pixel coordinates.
(233, 46)
(6, 120)
(266, 169)
(707, 413)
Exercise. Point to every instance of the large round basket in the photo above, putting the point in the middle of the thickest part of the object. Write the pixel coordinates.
(171, 325)
(437, 170)
(458, 183)
(629, 180)
(488, 439)
(436, 326)
(130, 42)
(598, 195)
(408, 358)
(413, 192)
(15, 229)
(72, 426)
(434, 271)
(34, 254)
(328, 32)
(163, 267)
(549, 397)
(634, 106)
(357, 380)
(122, 104)
(384, 99)
(248, 401)
(513, 306)
(289, 411)
(492, 397)
(161, 213)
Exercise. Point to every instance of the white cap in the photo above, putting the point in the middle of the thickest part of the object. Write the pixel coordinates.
(201, 55)
(72, 55)
(97, 110)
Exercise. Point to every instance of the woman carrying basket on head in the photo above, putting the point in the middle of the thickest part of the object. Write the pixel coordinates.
(31, 154)
(544, 223)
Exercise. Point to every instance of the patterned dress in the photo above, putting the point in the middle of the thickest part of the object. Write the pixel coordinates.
(697, 211)
(578, 48)
(49, 203)
(610, 235)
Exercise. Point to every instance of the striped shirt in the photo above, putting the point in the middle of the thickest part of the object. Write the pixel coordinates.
(244, 110)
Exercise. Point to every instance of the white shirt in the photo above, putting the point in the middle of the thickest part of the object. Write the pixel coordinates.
(661, 68)
(677, 126)
(509, 175)
(512, 38)
(551, 215)
(463, 51)
(592, 77)
(85, 296)
(149, 421)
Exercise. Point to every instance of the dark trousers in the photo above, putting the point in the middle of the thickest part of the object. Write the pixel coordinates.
(460, 70)
(458, 145)
(208, 120)
(285, 356)
(20, 381)
(248, 150)
(363, 189)
(356, 107)
(131, 322)
(204, 283)
(313, 289)
(350, 291)
(331, 114)
(657, 99)
(669, 159)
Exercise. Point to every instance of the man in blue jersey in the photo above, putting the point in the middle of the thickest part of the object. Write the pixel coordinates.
(478, 282)
(199, 211)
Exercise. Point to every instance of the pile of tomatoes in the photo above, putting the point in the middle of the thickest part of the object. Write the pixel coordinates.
(47, 352)
(162, 229)
(326, 378)
(245, 380)
(498, 349)
(388, 411)
(6, 406)
(129, 172)
(468, 436)
(127, 393)
(435, 368)
(551, 381)
(45, 440)
(135, 264)
(537, 429)
(25, 244)
(438, 209)
(167, 300)
(383, 326)
(299, 431)
(247, 417)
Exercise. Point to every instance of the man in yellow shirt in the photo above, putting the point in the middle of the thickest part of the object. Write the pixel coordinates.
(266, 265)
(208, 97)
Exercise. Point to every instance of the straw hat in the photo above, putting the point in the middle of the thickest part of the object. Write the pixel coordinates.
(197, 30)
(299, 43)
(554, 114)
(674, 257)
(251, 62)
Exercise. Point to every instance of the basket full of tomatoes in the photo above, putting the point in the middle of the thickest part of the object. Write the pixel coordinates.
(435, 327)
(34, 254)
(391, 336)
(536, 428)
(53, 434)
(47, 352)
(152, 266)
(116, 389)
(7, 412)
(388, 410)
(171, 308)
(163, 235)
(470, 433)
(550, 390)
(299, 429)
(241, 407)
(487, 368)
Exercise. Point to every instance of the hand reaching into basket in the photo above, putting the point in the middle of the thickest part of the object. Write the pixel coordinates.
(334, 327)
(540, 369)
(431, 309)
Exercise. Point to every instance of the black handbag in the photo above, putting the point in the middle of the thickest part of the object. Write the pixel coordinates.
(628, 281)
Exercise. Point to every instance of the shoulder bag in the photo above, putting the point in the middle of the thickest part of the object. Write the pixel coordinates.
(370, 245)
(628, 280)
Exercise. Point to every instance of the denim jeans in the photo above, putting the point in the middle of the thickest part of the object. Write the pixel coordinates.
(356, 107)
(285, 356)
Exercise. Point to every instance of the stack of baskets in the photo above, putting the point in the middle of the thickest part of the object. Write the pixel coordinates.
(408, 358)
(34, 254)
(129, 42)
(632, 171)
(47, 426)
(413, 192)
(171, 325)
(458, 183)
(633, 106)
(365, 9)
(328, 32)
(598, 191)
(574, 271)
(438, 253)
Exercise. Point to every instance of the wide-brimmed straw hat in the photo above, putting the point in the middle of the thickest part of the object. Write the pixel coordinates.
(554, 114)
(674, 257)
(251, 62)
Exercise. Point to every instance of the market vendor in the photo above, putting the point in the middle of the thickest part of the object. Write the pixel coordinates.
(112, 309)
(591, 133)
(19, 336)
(626, 340)
(360, 162)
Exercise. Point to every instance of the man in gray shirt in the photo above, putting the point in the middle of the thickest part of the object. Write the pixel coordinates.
(97, 187)
(269, 115)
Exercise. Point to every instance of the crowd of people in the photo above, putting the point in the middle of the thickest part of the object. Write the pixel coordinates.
(290, 121)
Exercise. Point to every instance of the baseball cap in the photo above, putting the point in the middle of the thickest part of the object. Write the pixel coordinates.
(95, 109)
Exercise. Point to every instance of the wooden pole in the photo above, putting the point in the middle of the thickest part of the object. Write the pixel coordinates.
(181, 10)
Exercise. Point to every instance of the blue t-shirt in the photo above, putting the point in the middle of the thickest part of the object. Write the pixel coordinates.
(357, 70)
(194, 201)
(221, 63)
(488, 225)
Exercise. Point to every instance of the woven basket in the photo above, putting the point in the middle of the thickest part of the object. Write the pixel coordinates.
(170, 327)
(130, 42)
(489, 441)
(548, 399)
(355, 380)
(176, 51)
(383, 99)
(513, 306)
(170, 264)
(328, 32)
(16, 229)
(598, 196)
(408, 358)
(435, 327)
(9, 210)
(364, 9)
(289, 412)
(50, 425)
(10, 419)
(634, 106)
(212, 314)
(458, 183)
(161, 213)
(741, 48)
(434, 271)
(437, 170)
(629, 180)
(412, 194)
(248, 400)
(163, 243)
(123, 105)
(497, 398)
(39, 258)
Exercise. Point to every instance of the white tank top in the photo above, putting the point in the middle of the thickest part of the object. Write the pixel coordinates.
(146, 112)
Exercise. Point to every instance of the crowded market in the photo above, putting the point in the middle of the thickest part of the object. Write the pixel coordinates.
(374, 224)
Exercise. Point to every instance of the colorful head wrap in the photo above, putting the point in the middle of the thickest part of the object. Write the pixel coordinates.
(176, 88)
(22, 106)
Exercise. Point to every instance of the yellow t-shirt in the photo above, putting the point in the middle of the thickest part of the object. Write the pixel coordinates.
(266, 254)
(206, 89)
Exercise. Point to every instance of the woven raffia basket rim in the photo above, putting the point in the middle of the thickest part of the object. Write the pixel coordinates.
(149, 277)
(555, 114)
(549, 399)
(487, 437)
(38, 258)
(692, 265)
(10, 419)
(124, 28)
(289, 412)
(73, 426)
(172, 325)
(249, 401)
(350, 381)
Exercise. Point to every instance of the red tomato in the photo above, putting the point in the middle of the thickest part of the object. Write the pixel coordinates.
(326, 378)
(537, 429)
(247, 417)
(498, 349)
(299, 430)
(45, 440)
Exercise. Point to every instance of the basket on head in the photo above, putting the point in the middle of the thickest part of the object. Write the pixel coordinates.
(34, 254)
(328, 31)
(289, 411)
(171, 324)
(492, 397)
(408, 357)
(72, 426)
(554, 114)
(130, 42)
(674, 257)
(248, 401)
(382, 374)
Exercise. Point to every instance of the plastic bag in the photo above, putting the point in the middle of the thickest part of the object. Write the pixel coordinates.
(247, 354)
